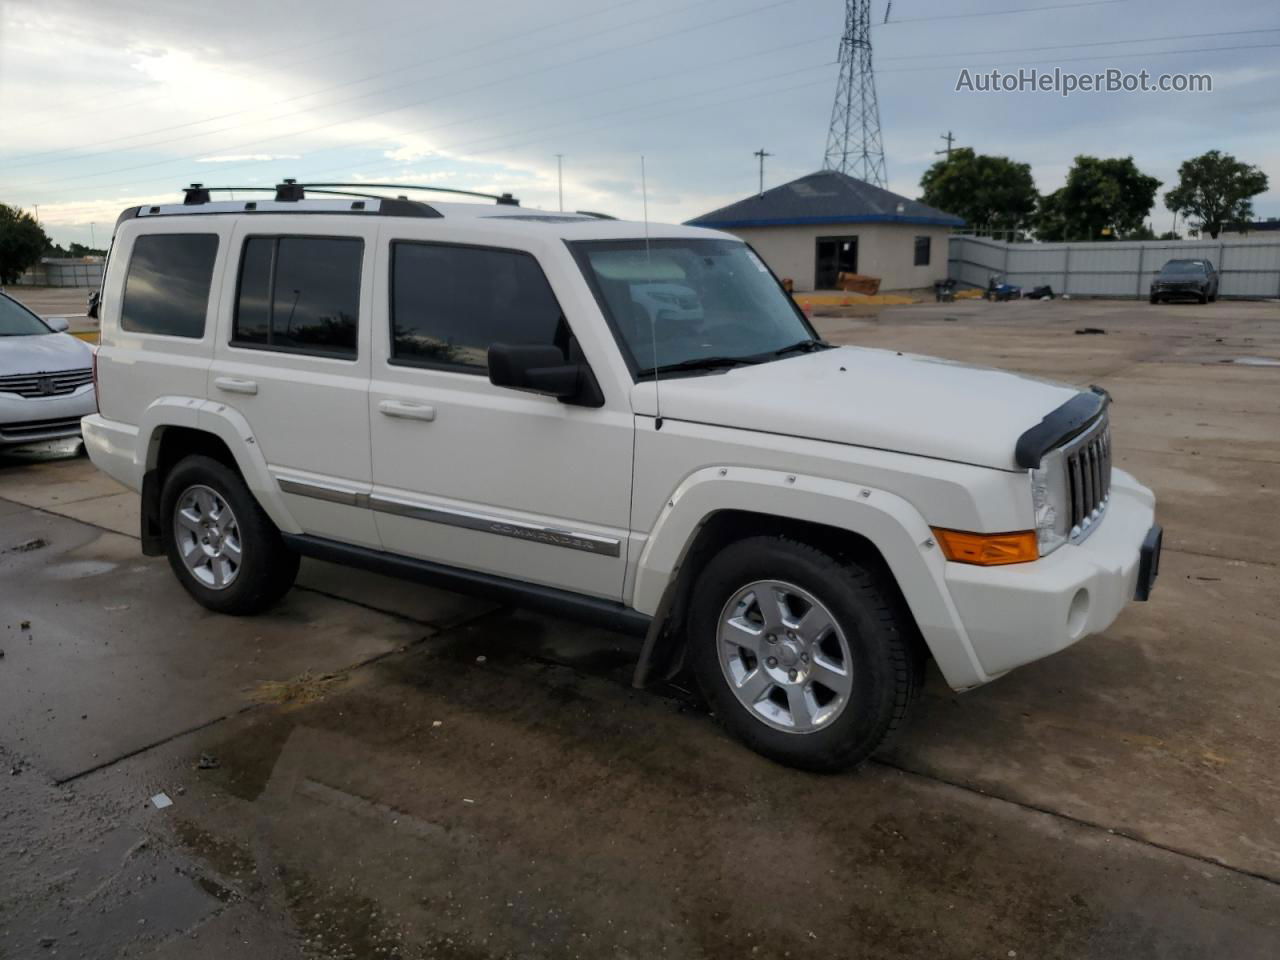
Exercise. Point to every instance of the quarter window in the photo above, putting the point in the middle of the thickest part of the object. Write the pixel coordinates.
(166, 290)
(449, 303)
(299, 295)
(922, 251)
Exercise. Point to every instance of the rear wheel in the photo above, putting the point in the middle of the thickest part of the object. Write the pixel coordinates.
(808, 659)
(221, 545)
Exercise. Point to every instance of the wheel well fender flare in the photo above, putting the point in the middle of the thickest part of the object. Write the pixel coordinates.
(889, 523)
(227, 425)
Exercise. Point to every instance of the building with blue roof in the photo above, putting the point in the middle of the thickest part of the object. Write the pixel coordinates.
(812, 229)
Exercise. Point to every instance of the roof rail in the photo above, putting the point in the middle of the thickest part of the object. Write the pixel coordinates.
(291, 190)
(592, 213)
(505, 199)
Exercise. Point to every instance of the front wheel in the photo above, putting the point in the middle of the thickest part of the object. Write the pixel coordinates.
(809, 659)
(222, 546)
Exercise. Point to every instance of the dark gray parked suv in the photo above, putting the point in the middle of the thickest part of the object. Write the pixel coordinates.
(1185, 278)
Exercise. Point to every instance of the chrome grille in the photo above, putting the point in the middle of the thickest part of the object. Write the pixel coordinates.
(46, 384)
(1088, 466)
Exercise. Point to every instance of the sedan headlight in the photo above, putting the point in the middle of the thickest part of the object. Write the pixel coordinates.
(1050, 497)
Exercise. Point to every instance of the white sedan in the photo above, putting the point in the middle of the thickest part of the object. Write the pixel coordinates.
(46, 377)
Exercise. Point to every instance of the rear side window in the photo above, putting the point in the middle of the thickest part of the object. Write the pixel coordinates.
(299, 295)
(166, 290)
(449, 303)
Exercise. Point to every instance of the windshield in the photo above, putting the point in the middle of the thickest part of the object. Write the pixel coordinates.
(17, 321)
(1183, 266)
(681, 302)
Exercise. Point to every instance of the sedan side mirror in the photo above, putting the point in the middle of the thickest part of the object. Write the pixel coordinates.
(57, 324)
(542, 368)
(95, 301)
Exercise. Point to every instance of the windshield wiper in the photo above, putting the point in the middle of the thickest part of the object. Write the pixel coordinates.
(803, 346)
(702, 363)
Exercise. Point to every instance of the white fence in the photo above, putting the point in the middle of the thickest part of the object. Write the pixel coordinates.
(63, 273)
(1247, 268)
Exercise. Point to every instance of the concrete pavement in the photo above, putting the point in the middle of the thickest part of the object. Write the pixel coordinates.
(373, 788)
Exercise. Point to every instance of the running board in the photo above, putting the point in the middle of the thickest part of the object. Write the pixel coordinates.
(559, 603)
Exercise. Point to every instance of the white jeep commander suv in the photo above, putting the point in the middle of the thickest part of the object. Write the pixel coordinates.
(632, 425)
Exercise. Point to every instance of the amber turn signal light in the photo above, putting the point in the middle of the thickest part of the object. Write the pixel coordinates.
(988, 549)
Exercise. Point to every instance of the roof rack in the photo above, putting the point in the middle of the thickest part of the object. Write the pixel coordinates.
(291, 190)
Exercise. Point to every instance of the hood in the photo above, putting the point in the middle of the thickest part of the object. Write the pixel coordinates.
(43, 353)
(871, 398)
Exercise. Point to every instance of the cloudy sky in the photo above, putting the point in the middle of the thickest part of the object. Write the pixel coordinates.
(109, 103)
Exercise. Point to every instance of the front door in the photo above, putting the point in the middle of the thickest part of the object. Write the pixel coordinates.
(834, 256)
(482, 477)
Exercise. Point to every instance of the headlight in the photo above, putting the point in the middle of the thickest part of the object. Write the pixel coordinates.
(1049, 496)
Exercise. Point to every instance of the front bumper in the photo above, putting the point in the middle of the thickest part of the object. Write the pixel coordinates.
(1019, 613)
(37, 419)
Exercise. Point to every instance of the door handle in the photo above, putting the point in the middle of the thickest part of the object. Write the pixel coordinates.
(232, 385)
(407, 411)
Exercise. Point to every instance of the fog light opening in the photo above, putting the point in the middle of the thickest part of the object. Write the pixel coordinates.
(1078, 615)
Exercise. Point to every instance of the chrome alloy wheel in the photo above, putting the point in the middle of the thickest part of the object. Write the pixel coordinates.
(208, 536)
(785, 657)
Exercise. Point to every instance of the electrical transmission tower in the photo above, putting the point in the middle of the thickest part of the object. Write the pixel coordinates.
(853, 143)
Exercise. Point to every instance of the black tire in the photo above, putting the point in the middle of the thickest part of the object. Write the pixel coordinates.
(268, 567)
(887, 661)
(1154, 298)
(1204, 298)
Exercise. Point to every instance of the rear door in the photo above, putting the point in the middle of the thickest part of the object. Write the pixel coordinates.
(482, 477)
(293, 358)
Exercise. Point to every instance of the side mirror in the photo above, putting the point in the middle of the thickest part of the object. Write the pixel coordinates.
(57, 324)
(95, 301)
(540, 368)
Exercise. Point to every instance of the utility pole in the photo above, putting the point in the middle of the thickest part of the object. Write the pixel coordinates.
(761, 154)
(560, 178)
(854, 146)
(950, 140)
(93, 239)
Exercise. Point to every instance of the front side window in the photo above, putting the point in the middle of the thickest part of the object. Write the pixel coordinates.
(680, 303)
(922, 251)
(450, 303)
(166, 290)
(299, 295)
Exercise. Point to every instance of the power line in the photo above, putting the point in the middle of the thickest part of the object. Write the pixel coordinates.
(367, 116)
(1113, 56)
(1088, 43)
(994, 13)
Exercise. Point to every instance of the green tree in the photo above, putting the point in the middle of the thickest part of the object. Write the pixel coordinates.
(1103, 199)
(1214, 191)
(21, 243)
(991, 193)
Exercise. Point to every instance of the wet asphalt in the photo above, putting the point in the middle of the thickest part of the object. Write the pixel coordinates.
(376, 769)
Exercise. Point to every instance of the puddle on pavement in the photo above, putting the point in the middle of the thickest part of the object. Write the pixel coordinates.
(1254, 362)
(78, 569)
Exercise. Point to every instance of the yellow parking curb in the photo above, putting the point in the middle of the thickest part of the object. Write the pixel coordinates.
(88, 336)
(851, 299)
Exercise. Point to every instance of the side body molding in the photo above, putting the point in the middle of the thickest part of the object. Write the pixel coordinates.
(892, 524)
